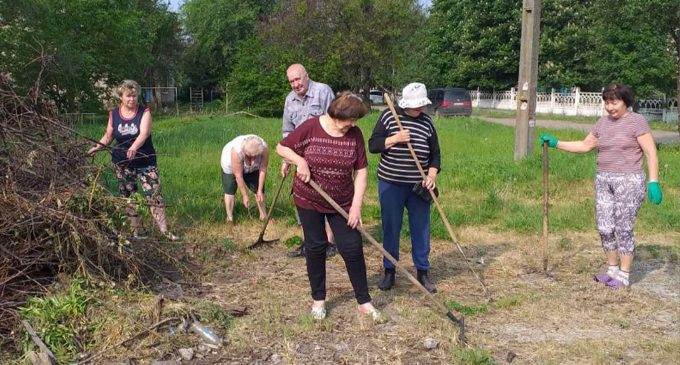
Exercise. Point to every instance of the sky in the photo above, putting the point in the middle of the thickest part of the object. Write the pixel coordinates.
(175, 4)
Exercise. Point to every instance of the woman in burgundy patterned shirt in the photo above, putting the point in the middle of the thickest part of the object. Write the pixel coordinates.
(330, 150)
(621, 137)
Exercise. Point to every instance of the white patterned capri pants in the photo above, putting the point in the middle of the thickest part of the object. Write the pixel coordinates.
(618, 197)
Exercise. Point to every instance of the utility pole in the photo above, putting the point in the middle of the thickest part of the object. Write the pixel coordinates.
(528, 73)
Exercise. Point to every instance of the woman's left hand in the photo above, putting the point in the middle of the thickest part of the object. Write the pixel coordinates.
(131, 153)
(93, 150)
(354, 217)
(654, 192)
(259, 196)
(429, 182)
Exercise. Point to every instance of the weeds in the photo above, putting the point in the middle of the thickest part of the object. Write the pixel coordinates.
(468, 310)
(472, 356)
(564, 244)
(294, 241)
(214, 313)
(502, 303)
(60, 320)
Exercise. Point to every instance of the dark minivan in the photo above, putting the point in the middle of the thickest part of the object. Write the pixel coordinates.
(449, 101)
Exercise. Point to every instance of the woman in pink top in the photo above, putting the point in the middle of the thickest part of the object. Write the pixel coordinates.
(330, 150)
(621, 138)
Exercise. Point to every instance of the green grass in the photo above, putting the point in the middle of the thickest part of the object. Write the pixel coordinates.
(499, 113)
(502, 113)
(472, 356)
(480, 183)
(59, 320)
(502, 303)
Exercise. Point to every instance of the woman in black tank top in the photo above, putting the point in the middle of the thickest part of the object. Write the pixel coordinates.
(134, 156)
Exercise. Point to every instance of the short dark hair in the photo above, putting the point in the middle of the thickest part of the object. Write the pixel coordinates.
(619, 92)
(347, 105)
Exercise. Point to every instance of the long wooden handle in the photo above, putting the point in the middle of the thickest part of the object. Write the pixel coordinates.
(449, 229)
(544, 238)
(271, 208)
(389, 257)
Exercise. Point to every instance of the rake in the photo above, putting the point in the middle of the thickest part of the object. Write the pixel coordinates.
(260, 239)
(460, 323)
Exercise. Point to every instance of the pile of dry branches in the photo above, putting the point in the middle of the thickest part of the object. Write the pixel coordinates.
(55, 217)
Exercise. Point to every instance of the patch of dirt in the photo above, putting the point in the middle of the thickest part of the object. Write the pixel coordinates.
(564, 317)
(658, 278)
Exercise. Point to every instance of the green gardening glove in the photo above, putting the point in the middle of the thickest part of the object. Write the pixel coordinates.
(545, 137)
(654, 192)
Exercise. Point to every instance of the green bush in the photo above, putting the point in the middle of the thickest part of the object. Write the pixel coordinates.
(258, 83)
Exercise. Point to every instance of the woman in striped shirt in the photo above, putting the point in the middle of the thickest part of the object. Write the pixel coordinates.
(398, 175)
(621, 137)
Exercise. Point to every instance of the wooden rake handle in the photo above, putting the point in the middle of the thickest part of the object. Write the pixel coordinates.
(269, 214)
(544, 237)
(402, 270)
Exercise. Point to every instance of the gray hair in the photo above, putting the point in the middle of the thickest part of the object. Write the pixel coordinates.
(129, 86)
(253, 146)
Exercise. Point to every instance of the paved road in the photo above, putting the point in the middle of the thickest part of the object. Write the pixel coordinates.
(663, 137)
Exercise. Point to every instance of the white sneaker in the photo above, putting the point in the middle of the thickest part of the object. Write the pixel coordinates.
(374, 314)
(318, 313)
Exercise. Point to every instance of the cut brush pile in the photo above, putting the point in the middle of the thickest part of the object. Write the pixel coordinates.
(55, 217)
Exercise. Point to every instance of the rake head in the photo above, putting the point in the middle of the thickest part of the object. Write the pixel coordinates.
(460, 323)
(260, 242)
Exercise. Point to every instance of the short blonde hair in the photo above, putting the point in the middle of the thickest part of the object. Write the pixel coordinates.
(253, 146)
(129, 86)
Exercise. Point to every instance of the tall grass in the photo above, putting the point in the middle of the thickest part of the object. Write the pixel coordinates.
(480, 183)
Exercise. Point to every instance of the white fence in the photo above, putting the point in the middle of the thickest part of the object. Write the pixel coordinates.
(576, 102)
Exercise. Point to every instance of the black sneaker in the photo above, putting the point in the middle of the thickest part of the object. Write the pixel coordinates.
(331, 250)
(298, 252)
(388, 280)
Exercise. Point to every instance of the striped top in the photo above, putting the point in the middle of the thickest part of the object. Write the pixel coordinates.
(396, 164)
(617, 147)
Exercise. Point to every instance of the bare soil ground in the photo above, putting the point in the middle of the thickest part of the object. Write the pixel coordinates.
(564, 317)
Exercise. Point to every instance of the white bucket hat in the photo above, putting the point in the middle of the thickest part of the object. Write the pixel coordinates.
(414, 96)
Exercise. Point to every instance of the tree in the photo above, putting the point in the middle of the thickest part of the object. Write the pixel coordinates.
(583, 43)
(633, 49)
(355, 44)
(163, 31)
(214, 29)
(665, 16)
(475, 43)
(566, 44)
(79, 45)
(258, 81)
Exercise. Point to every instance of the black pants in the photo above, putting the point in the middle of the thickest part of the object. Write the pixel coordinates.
(348, 242)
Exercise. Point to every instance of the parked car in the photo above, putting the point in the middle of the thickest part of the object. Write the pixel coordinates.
(449, 101)
(376, 97)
